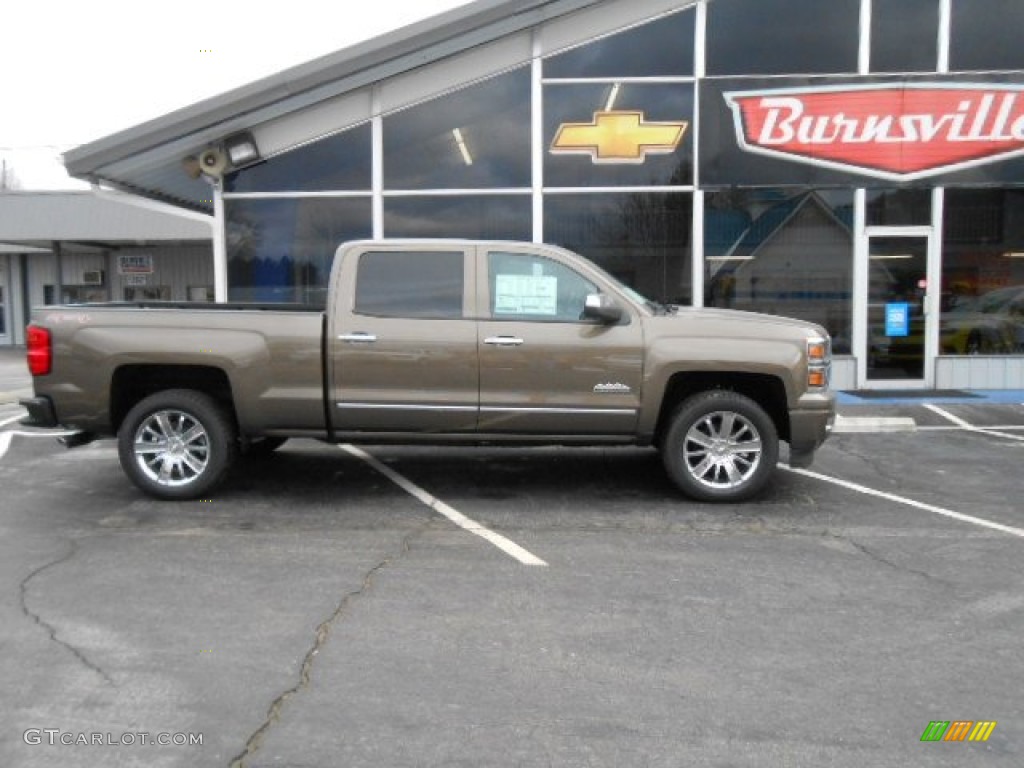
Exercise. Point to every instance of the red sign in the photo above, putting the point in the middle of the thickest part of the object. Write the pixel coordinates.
(897, 132)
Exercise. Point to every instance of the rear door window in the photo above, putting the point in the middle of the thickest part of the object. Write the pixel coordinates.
(417, 284)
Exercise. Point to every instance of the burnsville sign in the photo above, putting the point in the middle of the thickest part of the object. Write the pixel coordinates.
(896, 131)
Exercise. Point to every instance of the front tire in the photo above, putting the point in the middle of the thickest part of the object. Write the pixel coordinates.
(720, 446)
(177, 444)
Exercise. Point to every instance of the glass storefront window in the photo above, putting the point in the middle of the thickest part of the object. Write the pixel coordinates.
(982, 301)
(899, 207)
(478, 217)
(338, 163)
(642, 238)
(778, 37)
(477, 137)
(904, 35)
(282, 250)
(985, 35)
(605, 155)
(783, 252)
(662, 48)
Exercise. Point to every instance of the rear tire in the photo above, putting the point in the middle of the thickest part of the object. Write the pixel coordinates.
(177, 444)
(720, 446)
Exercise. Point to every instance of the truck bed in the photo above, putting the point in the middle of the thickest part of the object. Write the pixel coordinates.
(272, 356)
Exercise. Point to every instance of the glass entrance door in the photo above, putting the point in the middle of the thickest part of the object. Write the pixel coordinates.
(897, 311)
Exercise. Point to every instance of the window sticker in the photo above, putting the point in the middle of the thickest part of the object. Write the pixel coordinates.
(525, 295)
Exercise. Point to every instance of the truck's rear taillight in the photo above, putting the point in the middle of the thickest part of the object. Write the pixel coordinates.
(40, 350)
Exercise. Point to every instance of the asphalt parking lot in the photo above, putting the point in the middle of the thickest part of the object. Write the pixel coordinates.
(317, 613)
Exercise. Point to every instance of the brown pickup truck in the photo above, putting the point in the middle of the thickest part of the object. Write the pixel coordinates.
(444, 342)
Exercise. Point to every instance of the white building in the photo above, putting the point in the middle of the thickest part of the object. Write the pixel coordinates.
(72, 247)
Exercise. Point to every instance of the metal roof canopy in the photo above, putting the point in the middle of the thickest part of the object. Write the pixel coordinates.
(146, 160)
(40, 218)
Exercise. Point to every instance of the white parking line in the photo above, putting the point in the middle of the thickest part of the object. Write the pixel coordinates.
(507, 546)
(8, 435)
(909, 502)
(13, 419)
(952, 428)
(967, 426)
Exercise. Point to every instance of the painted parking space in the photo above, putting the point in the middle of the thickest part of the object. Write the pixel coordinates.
(313, 595)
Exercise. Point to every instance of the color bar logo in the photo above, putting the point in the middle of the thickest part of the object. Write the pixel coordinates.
(618, 137)
(958, 730)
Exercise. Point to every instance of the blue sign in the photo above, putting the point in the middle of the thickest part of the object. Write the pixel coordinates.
(897, 319)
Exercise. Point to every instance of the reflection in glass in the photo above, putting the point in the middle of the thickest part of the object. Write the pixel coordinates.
(338, 163)
(282, 250)
(643, 239)
(899, 207)
(577, 104)
(477, 137)
(904, 35)
(480, 217)
(426, 284)
(986, 34)
(662, 48)
(782, 252)
(982, 310)
(776, 37)
(897, 324)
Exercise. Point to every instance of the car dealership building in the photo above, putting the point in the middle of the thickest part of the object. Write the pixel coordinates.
(858, 163)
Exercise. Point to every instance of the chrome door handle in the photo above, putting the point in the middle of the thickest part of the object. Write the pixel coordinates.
(358, 338)
(503, 341)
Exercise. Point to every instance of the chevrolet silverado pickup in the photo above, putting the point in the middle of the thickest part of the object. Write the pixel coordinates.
(437, 342)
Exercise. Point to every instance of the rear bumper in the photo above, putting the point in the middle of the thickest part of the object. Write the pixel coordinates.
(809, 425)
(40, 412)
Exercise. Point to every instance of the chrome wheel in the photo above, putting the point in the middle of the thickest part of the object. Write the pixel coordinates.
(172, 448)
(720, 446)
(722, 450)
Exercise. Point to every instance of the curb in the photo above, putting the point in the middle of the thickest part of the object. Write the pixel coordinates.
(853, 424)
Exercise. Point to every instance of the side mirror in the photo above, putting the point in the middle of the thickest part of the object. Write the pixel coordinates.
(601, 307)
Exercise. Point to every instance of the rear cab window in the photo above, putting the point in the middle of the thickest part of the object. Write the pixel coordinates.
(411, 284)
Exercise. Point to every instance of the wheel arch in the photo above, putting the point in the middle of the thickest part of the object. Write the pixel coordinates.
(133, 383)
(764, 389)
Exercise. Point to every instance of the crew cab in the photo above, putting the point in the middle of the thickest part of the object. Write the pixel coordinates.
(443, 342)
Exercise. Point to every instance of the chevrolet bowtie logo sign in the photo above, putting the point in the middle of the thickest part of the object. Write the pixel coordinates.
(618, 137)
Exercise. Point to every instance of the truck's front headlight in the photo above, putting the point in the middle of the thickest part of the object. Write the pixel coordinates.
(819, 363)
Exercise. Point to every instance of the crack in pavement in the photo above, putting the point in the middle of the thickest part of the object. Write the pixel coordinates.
(321, 635)
(877, 465)
(49, 628)
(878, 558)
